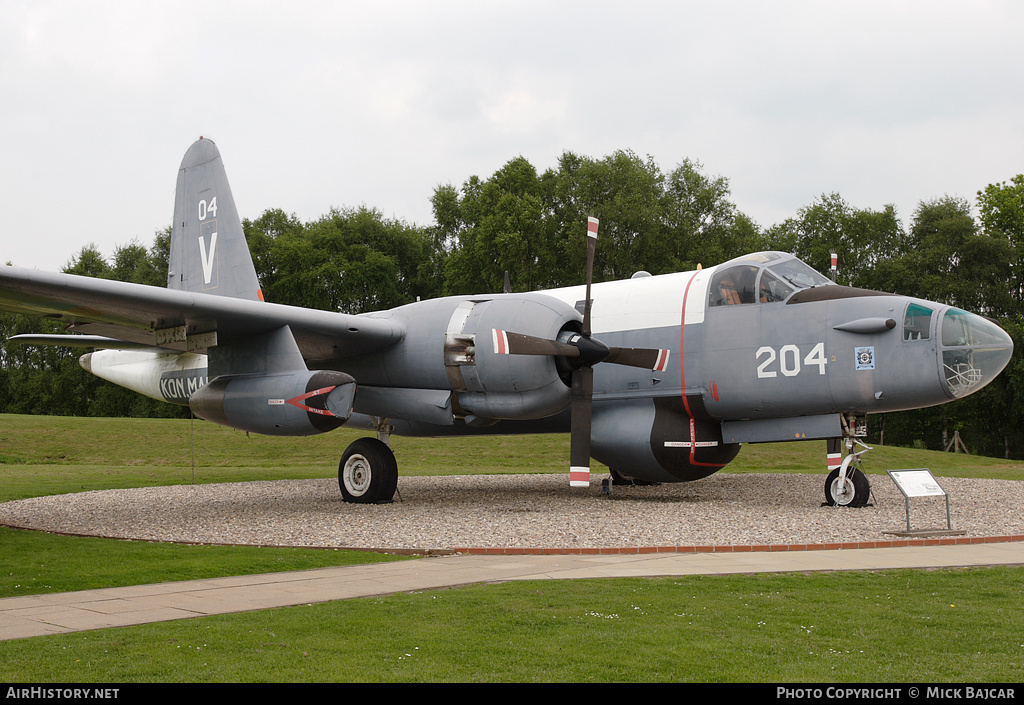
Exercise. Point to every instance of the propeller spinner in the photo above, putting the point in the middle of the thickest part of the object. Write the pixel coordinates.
(582, 352)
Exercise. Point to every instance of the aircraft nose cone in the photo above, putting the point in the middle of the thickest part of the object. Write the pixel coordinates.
(86, 362)
(974, 351)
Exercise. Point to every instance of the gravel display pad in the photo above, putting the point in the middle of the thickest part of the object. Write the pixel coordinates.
(520, 511)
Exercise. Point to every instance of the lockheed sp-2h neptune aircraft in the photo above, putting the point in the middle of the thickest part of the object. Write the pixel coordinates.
(661, 378)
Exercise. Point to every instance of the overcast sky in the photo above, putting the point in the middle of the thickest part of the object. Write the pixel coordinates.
(317, 105)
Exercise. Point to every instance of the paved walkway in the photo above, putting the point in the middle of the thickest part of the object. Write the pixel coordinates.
(38, 615)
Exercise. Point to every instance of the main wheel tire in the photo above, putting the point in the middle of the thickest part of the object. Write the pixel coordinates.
(368, 472)
(853, 493)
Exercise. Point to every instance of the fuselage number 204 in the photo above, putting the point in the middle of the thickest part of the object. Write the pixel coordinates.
(787, 360)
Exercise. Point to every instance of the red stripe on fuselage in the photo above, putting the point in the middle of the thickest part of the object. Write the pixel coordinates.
(682, 378)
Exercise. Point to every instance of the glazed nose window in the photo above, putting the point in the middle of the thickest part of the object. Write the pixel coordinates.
(974, 351)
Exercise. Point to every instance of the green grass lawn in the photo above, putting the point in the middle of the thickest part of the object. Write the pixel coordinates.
(886, 626)
(860, 627)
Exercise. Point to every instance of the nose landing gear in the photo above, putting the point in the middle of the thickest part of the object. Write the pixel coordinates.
(846, 485)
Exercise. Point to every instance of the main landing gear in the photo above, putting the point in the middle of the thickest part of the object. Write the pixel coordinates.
(617, 478)
(846, 485)
(368, 471)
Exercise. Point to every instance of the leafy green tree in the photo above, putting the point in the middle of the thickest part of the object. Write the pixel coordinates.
(137, 264)
(352, 260)
(89, 262)
(627, 194)
(863, 239)
(131, 263)
(26, 369)
(954, 262)
(261, 234)
(495, 226)
(705, 226)
(534, 226)
(1002, 216)
(1001, 208)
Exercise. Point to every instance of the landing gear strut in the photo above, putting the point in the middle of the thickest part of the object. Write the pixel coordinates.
(617, 478)
(847, 486)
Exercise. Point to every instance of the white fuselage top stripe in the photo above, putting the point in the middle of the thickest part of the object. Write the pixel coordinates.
(643, 301)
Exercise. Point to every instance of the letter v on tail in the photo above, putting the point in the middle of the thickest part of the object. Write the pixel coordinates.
(207, 257)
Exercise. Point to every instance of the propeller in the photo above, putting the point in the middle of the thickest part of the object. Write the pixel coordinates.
(582, 352)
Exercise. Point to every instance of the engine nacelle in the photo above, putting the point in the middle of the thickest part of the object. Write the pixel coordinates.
(657, 440)
(449, 345)
(296, 404)
(491, 385)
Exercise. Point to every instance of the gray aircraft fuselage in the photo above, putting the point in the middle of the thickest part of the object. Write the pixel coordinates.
(759, 367)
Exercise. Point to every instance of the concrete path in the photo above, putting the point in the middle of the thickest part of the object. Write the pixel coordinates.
(38, 615)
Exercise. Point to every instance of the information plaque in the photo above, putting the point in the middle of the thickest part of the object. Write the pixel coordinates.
(919, 483)
(916, 483)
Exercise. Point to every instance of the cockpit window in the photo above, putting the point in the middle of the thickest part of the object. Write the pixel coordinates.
(917, 322)
(772, 288)
(732, 286)
(736, 281)
(799, 274)
(759, 257)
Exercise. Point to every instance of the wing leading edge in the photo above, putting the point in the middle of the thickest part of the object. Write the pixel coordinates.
(186, 320)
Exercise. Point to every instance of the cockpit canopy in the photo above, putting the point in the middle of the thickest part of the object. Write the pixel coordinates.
(761, 277)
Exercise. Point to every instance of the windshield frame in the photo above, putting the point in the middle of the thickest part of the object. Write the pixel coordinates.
(759, 278)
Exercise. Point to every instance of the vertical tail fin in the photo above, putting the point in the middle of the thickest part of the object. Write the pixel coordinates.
(208, 248)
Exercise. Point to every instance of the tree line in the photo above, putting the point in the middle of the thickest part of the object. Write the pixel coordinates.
(530, 224)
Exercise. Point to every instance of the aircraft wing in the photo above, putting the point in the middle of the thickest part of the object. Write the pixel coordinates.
(185, 320)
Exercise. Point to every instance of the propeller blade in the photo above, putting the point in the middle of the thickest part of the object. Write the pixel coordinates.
(645, 358)
(579, 438)
(509, 343)
(586, 353)
(591, 350)
(592, 224)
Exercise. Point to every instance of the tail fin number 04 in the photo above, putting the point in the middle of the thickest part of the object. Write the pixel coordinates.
(208, 210)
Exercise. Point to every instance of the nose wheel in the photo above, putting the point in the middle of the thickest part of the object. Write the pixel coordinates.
(847, 486)
(851, 490)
